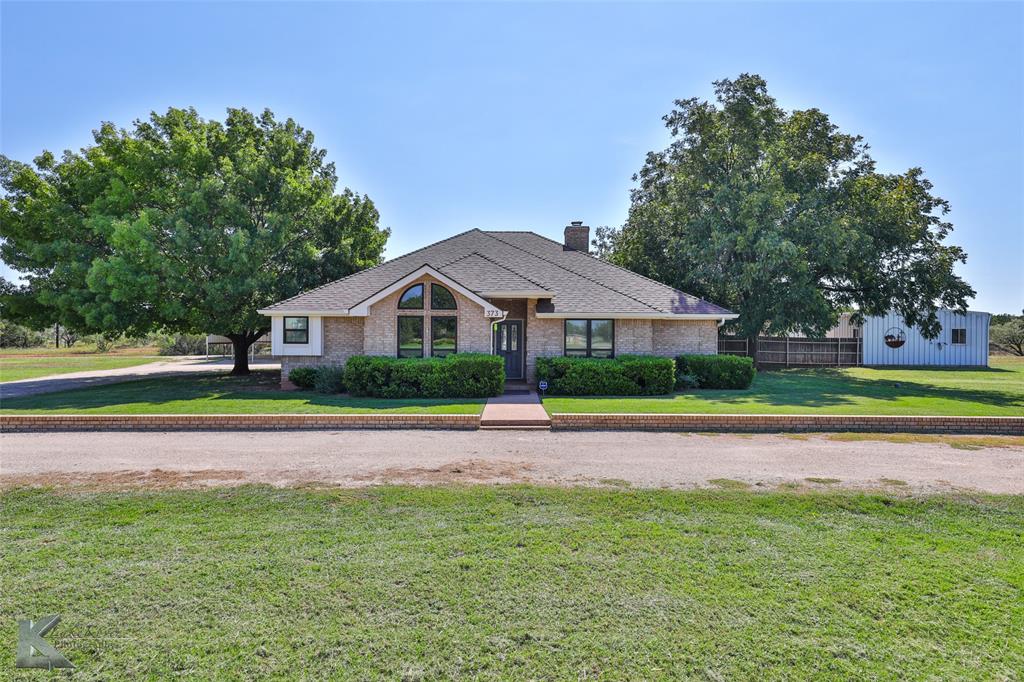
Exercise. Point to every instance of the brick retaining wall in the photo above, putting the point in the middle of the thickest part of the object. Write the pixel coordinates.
(768, 423)
(234, 422)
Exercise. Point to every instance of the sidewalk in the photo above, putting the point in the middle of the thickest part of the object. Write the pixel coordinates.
(511, 410)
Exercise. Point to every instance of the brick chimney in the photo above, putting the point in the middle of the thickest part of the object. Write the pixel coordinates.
(577, 237)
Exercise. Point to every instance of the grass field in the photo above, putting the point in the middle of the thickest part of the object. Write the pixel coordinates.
(221, 394)
(34, 362)
(517, 583)
(998, 390)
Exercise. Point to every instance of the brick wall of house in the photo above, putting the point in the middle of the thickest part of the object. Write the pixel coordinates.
(634, 336)
(671, 338)
(380, 329)
(544, 337)
(377, 334)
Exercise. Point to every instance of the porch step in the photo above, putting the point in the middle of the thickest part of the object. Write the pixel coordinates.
(516, 427)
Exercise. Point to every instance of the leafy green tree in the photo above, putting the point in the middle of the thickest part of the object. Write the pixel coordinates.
(783, 218)
(1009, 335)
(180, 224)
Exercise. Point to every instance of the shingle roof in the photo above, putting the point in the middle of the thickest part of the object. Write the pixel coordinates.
(514, 261)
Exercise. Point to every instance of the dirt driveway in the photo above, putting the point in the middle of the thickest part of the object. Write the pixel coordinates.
(360, 458)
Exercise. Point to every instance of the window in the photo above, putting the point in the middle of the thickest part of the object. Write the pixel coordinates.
(441, 298)
(960, 336)
(590, 338)
(296, 330)
(410, 337)
(412, 299)
(444, 334)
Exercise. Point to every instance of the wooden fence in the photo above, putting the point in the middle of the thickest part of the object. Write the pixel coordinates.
(775, 351)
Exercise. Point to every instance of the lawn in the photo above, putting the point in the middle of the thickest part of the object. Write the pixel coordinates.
(221, 394)
(517, 583)
(998, 390)
(38, 363)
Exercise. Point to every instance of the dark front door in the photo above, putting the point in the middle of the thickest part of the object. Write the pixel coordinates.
(508, 343)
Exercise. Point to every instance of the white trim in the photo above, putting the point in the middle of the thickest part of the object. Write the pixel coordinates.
(638, 316)
(362, 309)
(315, 345)
(524, 293)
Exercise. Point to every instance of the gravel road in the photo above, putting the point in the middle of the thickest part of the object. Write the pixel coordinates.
(360, 458)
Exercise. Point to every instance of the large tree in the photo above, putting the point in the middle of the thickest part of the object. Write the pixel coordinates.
(783, 218)
(180, 223)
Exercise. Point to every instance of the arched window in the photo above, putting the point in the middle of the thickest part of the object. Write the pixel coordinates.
(441, 298)
(412, 299)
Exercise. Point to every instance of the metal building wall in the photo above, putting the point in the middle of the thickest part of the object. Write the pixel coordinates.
(918, 350)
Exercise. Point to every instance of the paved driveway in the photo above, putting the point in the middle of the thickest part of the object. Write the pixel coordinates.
(169, 367)
(360, 458)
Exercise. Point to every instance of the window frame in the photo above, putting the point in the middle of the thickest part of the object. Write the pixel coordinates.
(589, 352)
(444, 317)
(953, 334)
(423, 294)
(285, 330)
(438, 285)
(398, 336)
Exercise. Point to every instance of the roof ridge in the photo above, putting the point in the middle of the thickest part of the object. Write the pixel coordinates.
(632, 272)
(578, 274)
(374, 267)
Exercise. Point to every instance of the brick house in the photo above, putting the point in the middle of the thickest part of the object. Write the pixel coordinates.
(514, 294)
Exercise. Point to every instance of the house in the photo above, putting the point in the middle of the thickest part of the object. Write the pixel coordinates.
(514, 294)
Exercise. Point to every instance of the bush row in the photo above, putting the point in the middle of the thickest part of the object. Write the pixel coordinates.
(460, 375)
(714, 371)
(475, 375)
(624, 375)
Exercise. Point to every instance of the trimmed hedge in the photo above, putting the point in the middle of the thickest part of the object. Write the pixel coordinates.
(303, 377)
(322, 378)
(460, 375)
(714, 371)
(624, 375)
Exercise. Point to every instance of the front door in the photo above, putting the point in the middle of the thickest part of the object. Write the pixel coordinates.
(508, 343)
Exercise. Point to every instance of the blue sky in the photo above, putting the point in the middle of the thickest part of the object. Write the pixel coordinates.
(526, 116)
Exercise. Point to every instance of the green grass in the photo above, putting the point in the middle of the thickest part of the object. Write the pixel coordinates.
(998, 390)
(516, 583)
(221, 394)
(15, 367)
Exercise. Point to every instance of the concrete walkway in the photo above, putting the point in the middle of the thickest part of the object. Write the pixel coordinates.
(171, 366)
(512, 410)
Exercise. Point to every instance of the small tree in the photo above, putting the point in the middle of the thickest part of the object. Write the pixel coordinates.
(783, 218)
(1009, 336)
(180, 224)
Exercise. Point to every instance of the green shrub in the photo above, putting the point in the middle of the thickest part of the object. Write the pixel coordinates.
(322, 378)
(329, 379)
(183, 344)
(625, 375)
(715, 371)
(303, 377)
(460, 375)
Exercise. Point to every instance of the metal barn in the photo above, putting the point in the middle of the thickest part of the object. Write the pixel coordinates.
(963, 342)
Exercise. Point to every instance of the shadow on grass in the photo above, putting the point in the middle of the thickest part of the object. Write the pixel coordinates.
(828, 388)
(259, 387)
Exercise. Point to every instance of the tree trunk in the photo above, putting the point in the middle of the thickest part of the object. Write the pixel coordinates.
(240, 344)
(752, 348)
